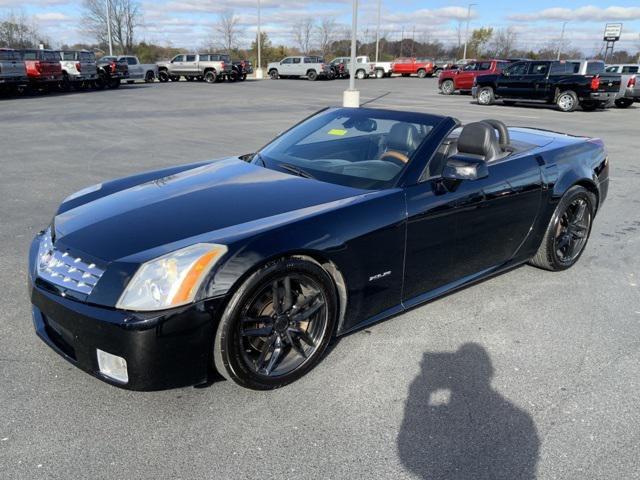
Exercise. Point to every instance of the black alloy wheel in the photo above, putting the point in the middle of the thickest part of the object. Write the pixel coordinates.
(568, 231)
(163, 76)
(277, 325)
(210, 76)
(149, 77)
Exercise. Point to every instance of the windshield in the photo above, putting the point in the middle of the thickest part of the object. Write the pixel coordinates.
(361, 148)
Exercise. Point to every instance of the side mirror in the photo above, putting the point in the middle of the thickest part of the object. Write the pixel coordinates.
(465, 168)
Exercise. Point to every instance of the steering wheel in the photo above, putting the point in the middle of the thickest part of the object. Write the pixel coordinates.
(395, 157)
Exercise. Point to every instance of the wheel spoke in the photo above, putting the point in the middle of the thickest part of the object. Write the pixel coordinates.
(258, 332)
(276, 356)
(267, 349)
(306, 313)
(579, 215)
(304, 336)
(296, 345)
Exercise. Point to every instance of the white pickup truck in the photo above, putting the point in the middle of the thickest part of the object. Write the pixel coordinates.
(140, 71)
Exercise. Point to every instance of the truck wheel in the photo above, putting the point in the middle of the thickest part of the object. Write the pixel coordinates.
(589, 106)
(233, 76)
(312, 75)
(163, 76)
(149, 77)
(486, 96)
(65, 83)
(175, 78)
(379, 73)
(115, 83)
(422, 73)
(567, 101)
(448, 87)
(243, 77)
(210, 76)
(100, 82)
(361, 75)
(623, 102)
(273, 74)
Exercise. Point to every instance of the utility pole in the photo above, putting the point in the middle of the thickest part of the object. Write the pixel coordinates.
(378, 31)
(259, 44)
(401, 39)
(351, 97)
(466, 35)
(564, 24)
(108, 5)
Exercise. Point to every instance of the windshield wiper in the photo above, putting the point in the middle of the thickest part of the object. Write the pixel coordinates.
(295, 170)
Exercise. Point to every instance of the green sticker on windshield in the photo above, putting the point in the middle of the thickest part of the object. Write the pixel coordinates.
(337, 131)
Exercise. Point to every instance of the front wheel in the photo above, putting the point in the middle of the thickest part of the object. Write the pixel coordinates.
(163, 76)
(361, 75)
(448, 87)
(568, 231)
(277, 325)
(273, 75)
(486, 96)
(149, 77)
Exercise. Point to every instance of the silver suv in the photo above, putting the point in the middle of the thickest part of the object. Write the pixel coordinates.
(294, 67)
(78, 68)
(12, 70)
(629, 83)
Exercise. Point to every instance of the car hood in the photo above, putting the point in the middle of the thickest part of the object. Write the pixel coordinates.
(192, 203)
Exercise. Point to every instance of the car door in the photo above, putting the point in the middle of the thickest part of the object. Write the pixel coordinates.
(177, 65)
(458, 229)
(536, 81)
(285, 66)
(464, 78)
(297, 67)
(134, 68)
(190, 65)
(509, 83)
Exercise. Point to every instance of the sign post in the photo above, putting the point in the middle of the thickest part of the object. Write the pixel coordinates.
(612, 32)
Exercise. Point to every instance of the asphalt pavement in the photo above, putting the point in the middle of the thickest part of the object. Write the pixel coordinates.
(527, 375)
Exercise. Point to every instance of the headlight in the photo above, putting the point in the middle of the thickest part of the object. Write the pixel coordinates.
(171, 280)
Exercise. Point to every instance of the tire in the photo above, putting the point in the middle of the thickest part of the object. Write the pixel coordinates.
(175, 78)
(114, 83)
(422, 73)
(65, 83)
(448, 87)
(244, 354)
(361, 75)
(100, 82)
(149, 77)
(210, 76)
(550, 255)
(589, 106)
(567, 101)
(379, 73)
(243, 77)
(233, 76)
(163, 76)
(623, 102)
(312, 75)
(273, 74)
(486, 96)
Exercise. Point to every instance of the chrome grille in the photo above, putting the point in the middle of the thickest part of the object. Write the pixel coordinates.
(65, 270)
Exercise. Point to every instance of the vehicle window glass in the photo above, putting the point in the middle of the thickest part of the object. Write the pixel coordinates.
(191, 58)
(309, 60)
(30, 55)
(178, 58)
(470, 67)
(6, 55)
(538, 68)
(519, 68)
(484, 66)
(87, 56)
(288, 60)
(630, 69)
(611, 69)
(560, 68)
(131, 61)
(68, 55)
(50, 56)
(296, 60)
(203, 58)
(594, 67)
(355, 148)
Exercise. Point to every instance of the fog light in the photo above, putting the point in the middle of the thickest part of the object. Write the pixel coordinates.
(113, 366)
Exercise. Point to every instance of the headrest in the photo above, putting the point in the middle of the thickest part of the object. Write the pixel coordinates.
(479, 139)
(403, 137)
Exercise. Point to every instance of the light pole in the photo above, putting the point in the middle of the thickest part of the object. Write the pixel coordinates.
(351, 97)
(108, 5)
(378, 31)
(466, 35)
(564, 24)
(259, 44)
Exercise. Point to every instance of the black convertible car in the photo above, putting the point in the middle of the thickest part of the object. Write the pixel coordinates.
(250, 265)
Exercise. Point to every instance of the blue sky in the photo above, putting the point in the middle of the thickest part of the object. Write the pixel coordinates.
(189, 23)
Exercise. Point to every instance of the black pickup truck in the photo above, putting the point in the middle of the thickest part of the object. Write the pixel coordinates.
(567, 84)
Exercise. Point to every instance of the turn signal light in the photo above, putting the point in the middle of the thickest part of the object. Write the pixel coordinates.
(595, 83)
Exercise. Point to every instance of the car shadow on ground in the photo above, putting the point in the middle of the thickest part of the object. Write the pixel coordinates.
(457, 427)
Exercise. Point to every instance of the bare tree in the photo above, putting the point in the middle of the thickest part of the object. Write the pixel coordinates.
(504, 42)
(125, 17)
(17, 31)
(302, 33)
(327, 34)
(227, 27)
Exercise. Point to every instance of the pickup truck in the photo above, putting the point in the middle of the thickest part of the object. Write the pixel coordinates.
(462, 79)
(383, 69)
(629, 83)
(111, 71)
(78, 68)
(299, 66)
(13, 73)
(364, 67)
(209, 67)
(237, 71)
(422, 67)
(139, 71)
(43, 67)
(547, 81)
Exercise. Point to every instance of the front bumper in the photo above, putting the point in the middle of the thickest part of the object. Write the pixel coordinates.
(163, 350)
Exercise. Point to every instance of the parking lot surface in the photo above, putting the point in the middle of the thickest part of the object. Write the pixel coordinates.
(549, 359)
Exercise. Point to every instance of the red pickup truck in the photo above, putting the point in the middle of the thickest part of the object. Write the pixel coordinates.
(43, 67)
(450, 81)
(422, 67)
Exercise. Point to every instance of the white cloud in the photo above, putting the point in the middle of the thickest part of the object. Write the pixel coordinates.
(588, 13)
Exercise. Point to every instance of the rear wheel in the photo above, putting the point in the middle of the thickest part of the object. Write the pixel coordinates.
(486, 96)
(149, 77)
(448, 87)
(568, 231)
(312, 75)
(379, 73)
(623, 102)
(65, 83)
(277, 325)
(210, 76)
(567, 101)
(175, 78)
(422, 73)
(163, 76)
